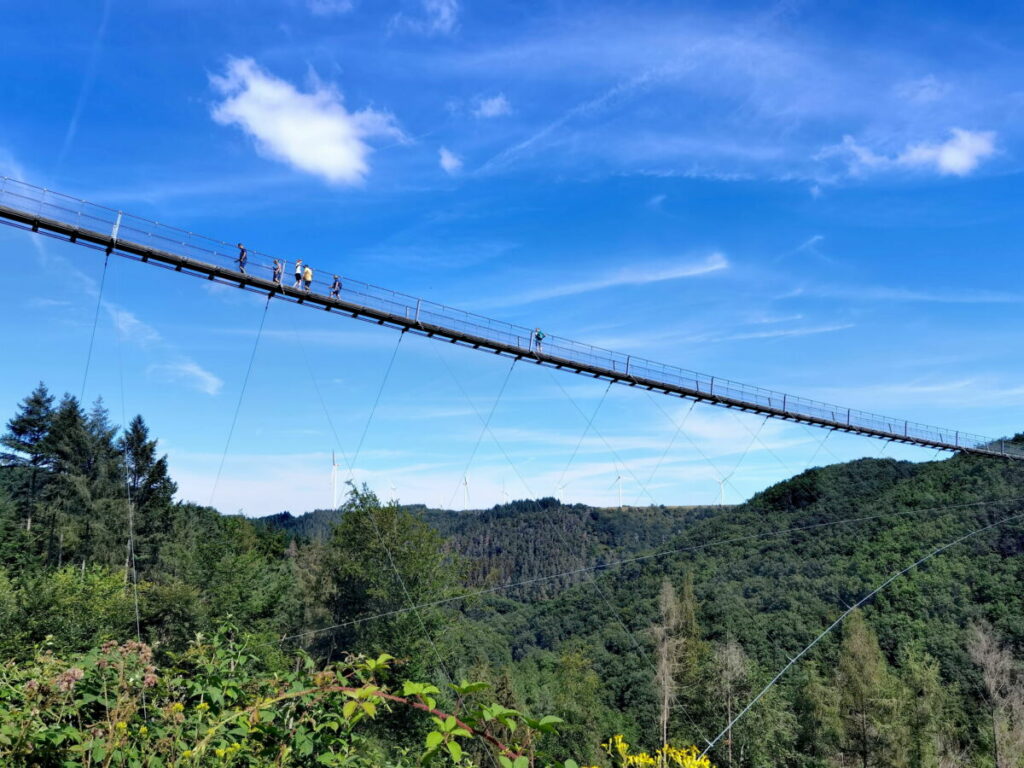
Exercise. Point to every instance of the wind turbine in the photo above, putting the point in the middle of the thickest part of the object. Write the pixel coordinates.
(618, 481)
(334, 482)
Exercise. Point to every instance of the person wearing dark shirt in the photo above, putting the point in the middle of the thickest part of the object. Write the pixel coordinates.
(336, 287)
(278, 271)
(243, 257)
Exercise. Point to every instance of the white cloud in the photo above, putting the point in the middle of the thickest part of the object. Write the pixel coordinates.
(959, 155)
(191, 373)
(496, 106)
(330, 7)
(782, 332)
(312, 132)
(450, 162)
(886, 293)
(439, 17)
(130, 327)
(635, 275)
(656, 201)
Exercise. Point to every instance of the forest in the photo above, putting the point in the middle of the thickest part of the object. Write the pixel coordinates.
(138, 629)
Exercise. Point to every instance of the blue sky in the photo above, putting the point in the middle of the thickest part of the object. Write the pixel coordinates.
(818, 198)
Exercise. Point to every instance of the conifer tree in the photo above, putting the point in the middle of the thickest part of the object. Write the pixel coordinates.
(865, 689)
(150, 490)
(25, 444)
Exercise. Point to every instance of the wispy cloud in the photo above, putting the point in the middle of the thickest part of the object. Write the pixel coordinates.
(330, 7)
(783, 332)
(637, 275)
(959, 155)
(496, 106)
(435, 17)
(449, 161)
(88, 78)
(313, 132)
(130, 327)
(886, 293)
(191, 373)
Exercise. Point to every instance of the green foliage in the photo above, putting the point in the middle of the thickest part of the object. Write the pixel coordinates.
(756, 581)
(218, 703)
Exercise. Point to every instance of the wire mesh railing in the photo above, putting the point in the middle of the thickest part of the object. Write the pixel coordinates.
(119, 227)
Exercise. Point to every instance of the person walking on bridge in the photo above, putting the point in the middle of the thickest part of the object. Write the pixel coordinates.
(243, 258)
(278, 271)
(538, 338)
(336, 287)
(298, 274)
(307, 276)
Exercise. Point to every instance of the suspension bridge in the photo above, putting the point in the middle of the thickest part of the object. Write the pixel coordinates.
(113, 232)
(44, 211)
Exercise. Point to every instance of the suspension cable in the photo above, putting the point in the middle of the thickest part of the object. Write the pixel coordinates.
(373, 410)
(131, 564)
(604, 596)
(484, 430)
(241, 396)
(668, 448)
(95, 322)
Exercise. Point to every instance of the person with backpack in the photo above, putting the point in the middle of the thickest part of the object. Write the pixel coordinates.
(243, 258)
(538, 338)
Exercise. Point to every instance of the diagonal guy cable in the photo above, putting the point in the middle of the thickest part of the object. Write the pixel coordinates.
(241, 396)
(95, 322)
(485, 429)
(850, 610)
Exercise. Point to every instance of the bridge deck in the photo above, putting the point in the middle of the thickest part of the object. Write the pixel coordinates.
(77, 221)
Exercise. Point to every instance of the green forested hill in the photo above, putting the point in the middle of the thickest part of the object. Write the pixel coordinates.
(928, 673)
(526, 540)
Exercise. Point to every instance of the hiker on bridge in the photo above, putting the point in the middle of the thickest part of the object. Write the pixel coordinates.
(298, 274)
(278, 271)
(538, 338)
(307, 276)
(336, 287)
(243, 258)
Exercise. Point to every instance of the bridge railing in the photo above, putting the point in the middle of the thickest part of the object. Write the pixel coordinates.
(108, 222)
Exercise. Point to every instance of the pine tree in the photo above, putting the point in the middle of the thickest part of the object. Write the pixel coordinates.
(25, 441)
(819, 728)
(924, 709)
(150, 490)
(865, 688)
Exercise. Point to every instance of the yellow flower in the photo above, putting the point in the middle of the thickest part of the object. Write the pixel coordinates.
(177, 707)
(143, 730)
(202, 706)
(121, 726)
(187, 754)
